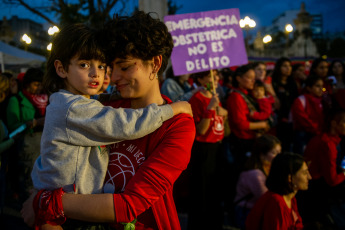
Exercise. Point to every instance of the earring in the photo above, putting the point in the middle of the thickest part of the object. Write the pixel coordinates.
(150, 77)
(156, 76)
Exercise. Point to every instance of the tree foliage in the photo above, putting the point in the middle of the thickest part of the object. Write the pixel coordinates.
(93, 12)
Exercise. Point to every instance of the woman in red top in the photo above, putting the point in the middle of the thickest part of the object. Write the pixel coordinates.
(239, 106)
(324, 158)
(141, 173)
(277, 208)
(209, 117)
(307, 114)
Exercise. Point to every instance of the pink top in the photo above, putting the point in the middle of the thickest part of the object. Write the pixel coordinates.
(251, 181)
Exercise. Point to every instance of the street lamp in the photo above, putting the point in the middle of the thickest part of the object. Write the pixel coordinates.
(49, 46)
(267, 39)
(27, 41)
(288, 30)
(53, 30)
(247, 23)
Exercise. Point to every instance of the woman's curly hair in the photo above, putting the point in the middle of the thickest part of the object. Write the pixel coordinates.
(140, 36)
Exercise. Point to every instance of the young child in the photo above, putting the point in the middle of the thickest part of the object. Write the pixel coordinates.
(307, 113)
(76, 128)
(264, 103)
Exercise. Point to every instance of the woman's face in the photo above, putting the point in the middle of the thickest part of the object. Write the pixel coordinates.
(272, 153)
(132, 77)
(208, 79)
(34, 87)
(247, 80)
(316, 89)
(337, 69)
(300, 73)
(260, 72)
(322, 69)
(300, 180)
(286, 69)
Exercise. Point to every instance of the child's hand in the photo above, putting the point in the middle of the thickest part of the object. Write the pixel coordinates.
(27, 211)
(181, 107)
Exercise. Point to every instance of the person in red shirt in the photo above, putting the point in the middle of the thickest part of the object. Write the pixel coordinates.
(141, 173)
(323, 156)
(307, 114)
(277, 208)
(209, 117)
(239, 106)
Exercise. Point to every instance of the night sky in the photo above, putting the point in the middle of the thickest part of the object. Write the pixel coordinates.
(262, 13)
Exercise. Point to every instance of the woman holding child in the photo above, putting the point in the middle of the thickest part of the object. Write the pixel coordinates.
(141, 173)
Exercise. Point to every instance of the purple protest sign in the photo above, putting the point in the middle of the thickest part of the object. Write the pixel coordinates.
(206, 40)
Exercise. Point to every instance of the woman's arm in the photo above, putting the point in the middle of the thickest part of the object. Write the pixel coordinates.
(92, 208)
(154, 178)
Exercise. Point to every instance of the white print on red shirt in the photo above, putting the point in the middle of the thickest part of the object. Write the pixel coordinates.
(124, 160)
(218, 126)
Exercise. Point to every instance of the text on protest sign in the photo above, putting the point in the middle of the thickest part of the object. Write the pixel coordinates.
(206, 40)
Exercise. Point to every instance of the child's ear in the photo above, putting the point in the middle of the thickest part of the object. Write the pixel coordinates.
(59, 69)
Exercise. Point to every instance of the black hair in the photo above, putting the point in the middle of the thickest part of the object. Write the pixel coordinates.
(277, 74)
(311, 81)
(333, 114)
(140, 36)
(259, 83)
(73, 40)
(330, 69)
(32, 75)
(283, 166)
(262, 146)
(315, 64)
(240, 71)
(199, 75)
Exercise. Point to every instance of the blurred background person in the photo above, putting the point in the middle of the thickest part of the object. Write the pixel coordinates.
(239, 106)
(26, 108)
(286, 91)
(307, 114)
(251, 184)
(261, 74)
(209, 116)
(10, 91)
(327, 188)
(336, 74)
(277, 208)
(299, 76)
(177, 88)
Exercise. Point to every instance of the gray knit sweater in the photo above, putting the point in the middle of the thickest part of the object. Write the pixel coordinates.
(75, 128)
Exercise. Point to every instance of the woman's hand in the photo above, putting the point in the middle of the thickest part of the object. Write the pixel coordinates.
(214, 103)
(27, 211)
(181, 107)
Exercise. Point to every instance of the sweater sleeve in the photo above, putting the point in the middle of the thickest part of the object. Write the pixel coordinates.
(158, 173)
(237, 108)
(301, 119)
(89, 122)
(265, 107)
(257, 184)
(328, 157)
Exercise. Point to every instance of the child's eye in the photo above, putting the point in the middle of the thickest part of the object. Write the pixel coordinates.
(124, 68)
(84, 65)
(102, 67)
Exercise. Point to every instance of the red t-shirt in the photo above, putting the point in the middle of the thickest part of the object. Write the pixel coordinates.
(215, 131)
(239, 116)
(271, 212)
(321, 156)
(142, 172)
(307, 114)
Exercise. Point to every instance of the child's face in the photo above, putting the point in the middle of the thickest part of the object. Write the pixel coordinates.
(316, 89)
(84, 77)
(258, 92)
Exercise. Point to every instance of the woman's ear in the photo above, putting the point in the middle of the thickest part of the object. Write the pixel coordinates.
(157, 63)
(59, 69)
(290, 179)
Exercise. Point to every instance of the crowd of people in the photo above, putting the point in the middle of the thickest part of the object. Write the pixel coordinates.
(232, 146)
